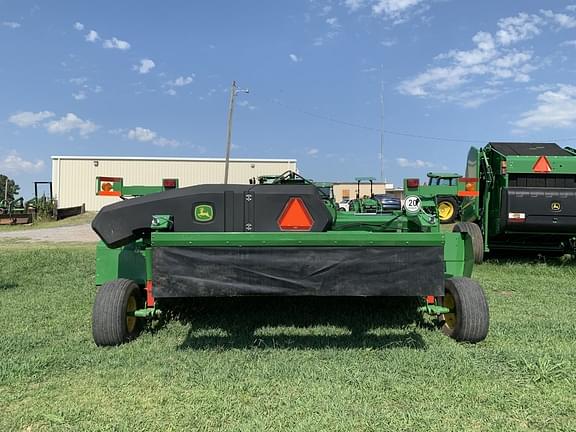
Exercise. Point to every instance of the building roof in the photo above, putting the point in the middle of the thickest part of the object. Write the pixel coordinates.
(155, 158)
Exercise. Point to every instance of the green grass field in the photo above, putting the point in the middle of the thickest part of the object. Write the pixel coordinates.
(284, 364)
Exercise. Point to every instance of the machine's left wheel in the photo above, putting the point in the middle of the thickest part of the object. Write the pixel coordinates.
(447, 209)
(112, 322)
(468, 319)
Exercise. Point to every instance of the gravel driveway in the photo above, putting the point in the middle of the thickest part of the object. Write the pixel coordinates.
(74, 233)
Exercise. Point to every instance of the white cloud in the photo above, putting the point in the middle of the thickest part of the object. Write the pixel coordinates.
(246, 104)
(79, 26)
(78, 80)
(13, 163)
(518, 28)
(407, 163)
(147, 135)
(396, 10)
(571, 8)
(115, 43)
(464, 76)
(389, 42)
(181, 81)
(333, 22)
(321, 40)
(92, 36)
(295, 58)
(141, 134)
(569, 43)
(70, 123)
(28, 118)
(555, 109)
(354, 5)
(145, 66)
(312, 152)
(563, 20)
(165, 142)
(11, 24)
(393, 8)
(80, 95)
(84, 89)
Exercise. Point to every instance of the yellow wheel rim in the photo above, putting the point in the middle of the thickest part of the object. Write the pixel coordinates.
(445, 210)
(130, 319)
(449, 318)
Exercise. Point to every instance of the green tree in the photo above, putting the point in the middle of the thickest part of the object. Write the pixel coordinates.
(13, 188)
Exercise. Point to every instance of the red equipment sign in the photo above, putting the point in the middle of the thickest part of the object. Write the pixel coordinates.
(295, 216)
(542, 165)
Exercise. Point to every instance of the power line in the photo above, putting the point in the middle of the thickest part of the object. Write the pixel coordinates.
(392, 132)
(373, 129)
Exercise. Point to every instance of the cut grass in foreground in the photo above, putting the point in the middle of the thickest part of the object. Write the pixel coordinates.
(283, 364)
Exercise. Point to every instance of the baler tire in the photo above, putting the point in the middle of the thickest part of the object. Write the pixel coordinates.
(110, 323)
(477, 239)
(470, 320)
(452, 204)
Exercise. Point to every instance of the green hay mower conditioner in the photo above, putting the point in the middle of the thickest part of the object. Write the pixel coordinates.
(280, 239)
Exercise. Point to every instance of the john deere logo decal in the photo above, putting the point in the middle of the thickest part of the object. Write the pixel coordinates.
(203, 213)
(555, 206)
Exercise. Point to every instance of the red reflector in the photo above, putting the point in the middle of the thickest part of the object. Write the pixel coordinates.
(169, 183)
(412, 183)
(542, 165)
(295, 216)
(468, 193)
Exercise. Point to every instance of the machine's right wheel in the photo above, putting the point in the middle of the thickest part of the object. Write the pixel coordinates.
(447, 209)
(477, 238)
(112, 321)
(468, 318)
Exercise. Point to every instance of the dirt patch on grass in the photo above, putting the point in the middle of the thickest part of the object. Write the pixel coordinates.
(65, 234)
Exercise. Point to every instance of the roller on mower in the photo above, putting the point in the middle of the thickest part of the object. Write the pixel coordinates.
(278, 239)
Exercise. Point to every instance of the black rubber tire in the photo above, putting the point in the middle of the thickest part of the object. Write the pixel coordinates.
(472, 316)
(477, 239)
(455, 206)
(109, 320)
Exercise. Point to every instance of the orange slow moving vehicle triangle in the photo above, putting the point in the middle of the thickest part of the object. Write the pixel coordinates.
(295, 216)
(542, 165)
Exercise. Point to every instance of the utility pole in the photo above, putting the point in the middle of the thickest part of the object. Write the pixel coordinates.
(382, 127)
(234, 90)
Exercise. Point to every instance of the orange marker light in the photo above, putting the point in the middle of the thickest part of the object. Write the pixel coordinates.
(106, 187)
(295, 216)
(469, 187)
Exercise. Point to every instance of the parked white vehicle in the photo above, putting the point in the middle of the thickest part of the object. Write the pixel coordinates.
(344, 205)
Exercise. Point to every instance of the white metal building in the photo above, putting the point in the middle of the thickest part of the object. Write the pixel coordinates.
(74, 177)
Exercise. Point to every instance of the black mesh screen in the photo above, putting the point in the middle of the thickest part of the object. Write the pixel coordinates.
(542, 180)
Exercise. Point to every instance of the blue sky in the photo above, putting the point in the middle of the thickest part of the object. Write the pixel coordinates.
(150, 78)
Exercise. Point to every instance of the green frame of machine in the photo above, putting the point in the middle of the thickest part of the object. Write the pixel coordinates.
(135, 260)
